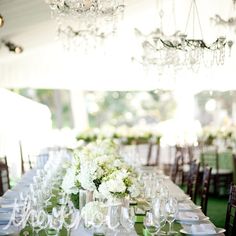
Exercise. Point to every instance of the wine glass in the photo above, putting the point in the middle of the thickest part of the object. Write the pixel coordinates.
(97, 222)
(69, 218)
(113, 217)
(159, 212)
(56, 221)
(127, 218)
(151, 224)
(171, 208)
(33, 220)
(42, 220)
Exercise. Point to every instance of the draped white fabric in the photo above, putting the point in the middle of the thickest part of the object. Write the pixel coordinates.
(51, 67)
(18, 124)
(44, 64)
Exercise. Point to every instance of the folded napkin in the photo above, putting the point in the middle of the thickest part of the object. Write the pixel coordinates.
(4, 222)
(9, 194)
(203, 228)
(6, 210)
(184, 206)
(6, 203)
(188, 216)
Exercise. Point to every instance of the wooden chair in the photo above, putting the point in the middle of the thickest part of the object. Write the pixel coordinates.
(230, 221)
(192, 181)
(4, 176)
(221, 177)
(146, 147)
(176, 168)
(187, 153)
(25, 164)
(205, 188)
(156, 148)
(234, 161)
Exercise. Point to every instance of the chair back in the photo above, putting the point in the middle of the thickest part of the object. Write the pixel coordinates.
(176, 168)
(234, 163)
(205, 188)
(144, 150)
(4, 176)
(153, 155)
(25, 164)
(230, 221)
(192, 180)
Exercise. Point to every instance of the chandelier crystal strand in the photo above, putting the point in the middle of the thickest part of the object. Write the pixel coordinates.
(160, 49)
(180, 51)
(86, 23)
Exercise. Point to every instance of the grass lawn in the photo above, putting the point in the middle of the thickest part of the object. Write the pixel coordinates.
(217, 210)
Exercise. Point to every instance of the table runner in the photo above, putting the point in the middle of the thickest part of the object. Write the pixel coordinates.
(174, 189)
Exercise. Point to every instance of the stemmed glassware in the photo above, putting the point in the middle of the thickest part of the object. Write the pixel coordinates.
(34, 222)
(69, 217)
(113, 217)
(171, 208)
(152, 225)
(98, 222)
(127, 218)
(158, 207)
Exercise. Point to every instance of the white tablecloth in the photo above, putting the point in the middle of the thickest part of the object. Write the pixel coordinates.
(27, 179)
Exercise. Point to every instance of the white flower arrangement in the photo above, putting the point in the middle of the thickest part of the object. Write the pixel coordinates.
(99, 168)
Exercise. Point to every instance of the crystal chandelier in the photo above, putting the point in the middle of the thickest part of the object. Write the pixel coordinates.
(179, 50)
(230, 22)
(85, 7)
(85, 23)
(12, 47)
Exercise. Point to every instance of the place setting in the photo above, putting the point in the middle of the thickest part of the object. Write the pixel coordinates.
(201, 229)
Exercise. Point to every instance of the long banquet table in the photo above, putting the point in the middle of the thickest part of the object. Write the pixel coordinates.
(23, 184)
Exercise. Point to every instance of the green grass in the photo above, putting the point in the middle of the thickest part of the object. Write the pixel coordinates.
(217, 210)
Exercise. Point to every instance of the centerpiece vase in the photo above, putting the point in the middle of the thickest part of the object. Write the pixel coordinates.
(122, 202)
(85, 196)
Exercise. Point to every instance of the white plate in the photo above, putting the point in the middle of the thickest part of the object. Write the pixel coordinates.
(183, 198)
(191, 221)
(192, 207)
(218, 231)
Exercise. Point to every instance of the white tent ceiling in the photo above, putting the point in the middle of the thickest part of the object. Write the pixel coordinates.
(45, 64)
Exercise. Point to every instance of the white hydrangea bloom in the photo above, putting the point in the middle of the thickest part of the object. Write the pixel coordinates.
(68, 183)
(104, 190)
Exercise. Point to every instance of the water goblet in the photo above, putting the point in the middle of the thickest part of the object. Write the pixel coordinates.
(159, 212)
(127, 218)
(113, 217)
(171, 208)
(151, 224)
